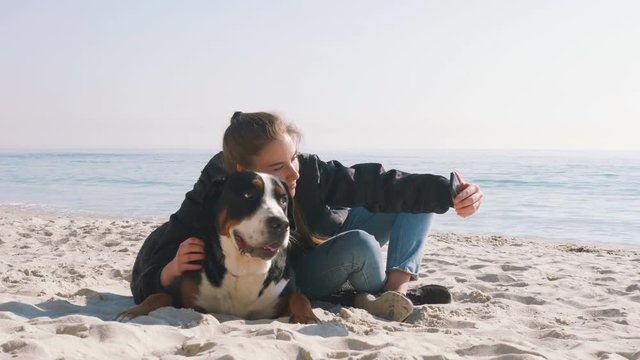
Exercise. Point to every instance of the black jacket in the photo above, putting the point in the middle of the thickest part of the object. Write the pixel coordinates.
(322, 190)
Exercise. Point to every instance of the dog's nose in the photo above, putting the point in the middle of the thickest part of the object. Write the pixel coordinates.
(277, 223)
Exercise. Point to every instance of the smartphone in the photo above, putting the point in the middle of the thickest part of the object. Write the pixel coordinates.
(454, 184)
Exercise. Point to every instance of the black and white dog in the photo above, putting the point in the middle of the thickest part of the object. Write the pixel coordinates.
(246, 219)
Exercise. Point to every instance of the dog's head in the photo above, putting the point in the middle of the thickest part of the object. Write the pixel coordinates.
(254, 211)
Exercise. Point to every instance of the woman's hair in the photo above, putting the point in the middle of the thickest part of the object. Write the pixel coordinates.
(245, 137)
(249, 133)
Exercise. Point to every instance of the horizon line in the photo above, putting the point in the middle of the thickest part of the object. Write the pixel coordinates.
(90, 150)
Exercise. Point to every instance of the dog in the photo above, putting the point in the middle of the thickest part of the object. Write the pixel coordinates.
(246, 219)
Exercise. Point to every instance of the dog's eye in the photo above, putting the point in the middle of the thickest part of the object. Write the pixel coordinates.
(283, 200)
(248, 195)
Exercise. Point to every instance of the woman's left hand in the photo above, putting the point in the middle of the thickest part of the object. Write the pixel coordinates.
(468, 200)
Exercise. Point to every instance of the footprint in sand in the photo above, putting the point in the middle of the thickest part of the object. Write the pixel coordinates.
(13, 345)
(606, 272)
(438, 261)
(473, 296)
(79, 330)
(608, 313)
(111, 243)
(195, 347)
(461, 324)
(120, 274)
(527, 300)
(477, 266)
(557, 334)
(634, 287)
(89, 294)
(616, 292)
(75, 273)
(356, 344)
(62, 241)
(507, 267)
(284, 335)
(497, 349)
(496, 278)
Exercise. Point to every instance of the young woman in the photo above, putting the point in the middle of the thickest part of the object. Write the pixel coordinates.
(343, 217)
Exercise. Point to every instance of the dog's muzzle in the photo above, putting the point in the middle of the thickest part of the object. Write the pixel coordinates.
(277, 233)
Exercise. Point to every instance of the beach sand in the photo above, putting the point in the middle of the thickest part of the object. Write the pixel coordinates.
(63, 279)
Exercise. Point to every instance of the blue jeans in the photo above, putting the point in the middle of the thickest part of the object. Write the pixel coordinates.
(354, 254)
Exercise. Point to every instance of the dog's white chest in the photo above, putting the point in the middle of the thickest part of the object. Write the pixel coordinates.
(241, 296)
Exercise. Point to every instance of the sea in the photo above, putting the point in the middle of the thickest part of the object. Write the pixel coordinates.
(590, 197)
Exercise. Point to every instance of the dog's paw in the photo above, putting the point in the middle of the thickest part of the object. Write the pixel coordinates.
(304, 318)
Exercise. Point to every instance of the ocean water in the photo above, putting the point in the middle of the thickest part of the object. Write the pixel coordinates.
(581, 196)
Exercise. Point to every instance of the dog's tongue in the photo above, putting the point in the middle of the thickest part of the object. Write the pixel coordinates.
(245, 248)
(274, 246)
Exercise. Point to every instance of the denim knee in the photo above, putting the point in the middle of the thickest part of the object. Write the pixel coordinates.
(366, 258)
(352, 256)
(360, 239)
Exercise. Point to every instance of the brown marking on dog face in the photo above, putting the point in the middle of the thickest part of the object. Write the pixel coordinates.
(224, 223)
(279, 190)
(222, 219)
(299, 309)
(189, 291)
(258, 183)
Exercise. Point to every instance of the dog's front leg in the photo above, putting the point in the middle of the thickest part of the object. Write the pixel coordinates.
(299, 310)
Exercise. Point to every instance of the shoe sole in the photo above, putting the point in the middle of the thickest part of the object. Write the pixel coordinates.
(390, 305)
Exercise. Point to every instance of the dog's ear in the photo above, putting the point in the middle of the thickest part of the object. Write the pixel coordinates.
(290, 209)
(206, 217)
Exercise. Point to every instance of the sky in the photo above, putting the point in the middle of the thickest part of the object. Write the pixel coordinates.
(351, 75)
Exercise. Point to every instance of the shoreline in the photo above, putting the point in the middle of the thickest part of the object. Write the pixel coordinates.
(45, 211)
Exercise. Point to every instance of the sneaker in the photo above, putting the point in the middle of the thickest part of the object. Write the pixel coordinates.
(389, 305)
(343, 298)
(429, 294)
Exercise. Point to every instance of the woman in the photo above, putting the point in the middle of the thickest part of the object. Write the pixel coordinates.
(343, 216)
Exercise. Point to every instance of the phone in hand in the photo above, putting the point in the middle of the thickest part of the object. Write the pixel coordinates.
(454, 184)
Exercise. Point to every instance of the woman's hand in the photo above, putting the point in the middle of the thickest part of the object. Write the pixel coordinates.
(191, 249)
(468, 200)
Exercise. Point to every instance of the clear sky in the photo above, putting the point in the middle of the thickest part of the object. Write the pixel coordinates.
(352, 75)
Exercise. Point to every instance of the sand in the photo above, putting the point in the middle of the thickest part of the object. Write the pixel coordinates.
(64, 278)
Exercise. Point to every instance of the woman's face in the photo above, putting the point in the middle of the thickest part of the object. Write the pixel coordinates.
(280, 159)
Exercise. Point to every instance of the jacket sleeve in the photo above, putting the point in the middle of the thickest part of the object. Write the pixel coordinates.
(369, 185)
(161, 245)
(158, 249)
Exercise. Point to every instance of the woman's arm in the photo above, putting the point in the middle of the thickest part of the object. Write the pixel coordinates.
(371, 186)
(167, 251)
(158, 249)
